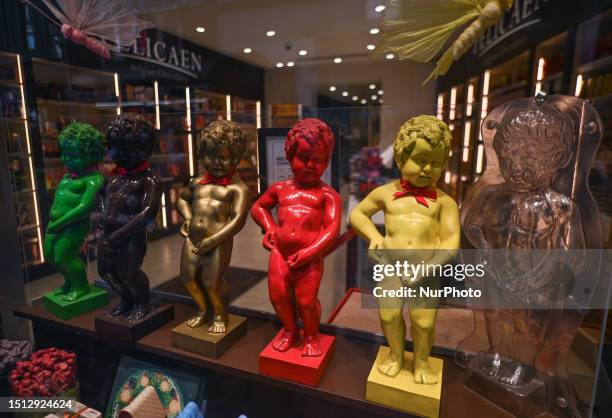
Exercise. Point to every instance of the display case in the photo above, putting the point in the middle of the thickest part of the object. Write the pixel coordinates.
(220, 252)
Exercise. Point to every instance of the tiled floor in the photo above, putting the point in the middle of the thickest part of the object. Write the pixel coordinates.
(162, 264)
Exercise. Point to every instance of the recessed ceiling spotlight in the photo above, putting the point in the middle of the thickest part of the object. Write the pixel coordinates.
(363, 101)
(380, 92)
(290, 64)
(373, 97)
(302, 52)
(280, 65)
(355, 98)
(247, 50)
(380, 8)
(381, 101)
(389, 56)
(374, 31)
(200, 29)
(371, 47)
(372, 86)
(270, 33)
(337, 60)
(332, 88)
(345, 93)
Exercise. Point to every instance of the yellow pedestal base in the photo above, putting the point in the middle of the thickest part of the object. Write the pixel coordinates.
(401, 392)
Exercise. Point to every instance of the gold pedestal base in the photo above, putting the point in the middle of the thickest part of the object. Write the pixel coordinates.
(199, 340)
(401, 392)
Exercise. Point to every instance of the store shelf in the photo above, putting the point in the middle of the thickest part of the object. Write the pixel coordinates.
(344, 382)
(61, 103)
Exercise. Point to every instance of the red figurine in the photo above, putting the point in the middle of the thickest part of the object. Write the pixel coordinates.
(309, 213)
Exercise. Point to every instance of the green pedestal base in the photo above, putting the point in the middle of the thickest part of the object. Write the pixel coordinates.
(96, 298)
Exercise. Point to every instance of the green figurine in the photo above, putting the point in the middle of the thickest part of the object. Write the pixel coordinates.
(82, 148)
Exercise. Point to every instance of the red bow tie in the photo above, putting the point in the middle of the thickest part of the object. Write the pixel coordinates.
(120, 171)
(221, 181)
(419, 193)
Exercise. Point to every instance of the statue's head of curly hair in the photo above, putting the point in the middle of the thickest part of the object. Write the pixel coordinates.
(532, 144)
(313, 131)
(81, 144)
(223, 134)
(426, 127)
(131, 139)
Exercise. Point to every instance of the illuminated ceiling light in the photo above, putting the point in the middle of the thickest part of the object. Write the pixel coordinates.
(332, 88)
(380, 8)
(290, 64)
(270, 33)
(345, 93)
(374, 31)
(337, 60)
(389, 56)
(381, 101)
(355, 98)
(363, 101)
(371, 47)
(302, 52)
(247, 50)
(372, 86)
(280, 65)
(200, 29)
(373, 97)
(381, 92)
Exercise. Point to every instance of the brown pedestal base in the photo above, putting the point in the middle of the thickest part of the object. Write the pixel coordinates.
(199, 340)
(120, 328)
(527, 400)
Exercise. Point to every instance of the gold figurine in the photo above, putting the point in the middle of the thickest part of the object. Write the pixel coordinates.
(214, 207)
(421, 218)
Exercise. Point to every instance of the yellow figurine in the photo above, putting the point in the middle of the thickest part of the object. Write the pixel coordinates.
(421, 218)
(214, 206)
(419, 29)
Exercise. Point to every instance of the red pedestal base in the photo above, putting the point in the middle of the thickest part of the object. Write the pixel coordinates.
(292, 366)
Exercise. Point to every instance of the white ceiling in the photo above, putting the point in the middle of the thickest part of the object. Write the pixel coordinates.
(325, 28)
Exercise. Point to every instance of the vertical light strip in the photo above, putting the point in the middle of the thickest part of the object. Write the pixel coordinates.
(117, 94)
(157, 118)
(579, 84)
(540, 75)
(163, 208)
(440, 106)
(453, 103)
(484, 106)
(189, 136)
(541, 64)
(467, 130)
(470, 100)
(479, 158)
(228, 107)
(24, 114)
(466, 155)
(447, 177)
(258, 117)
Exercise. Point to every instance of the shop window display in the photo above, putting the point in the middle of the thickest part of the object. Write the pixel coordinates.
(149, 149)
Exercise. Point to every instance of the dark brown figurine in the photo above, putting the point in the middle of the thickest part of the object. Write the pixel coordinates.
(130, 200)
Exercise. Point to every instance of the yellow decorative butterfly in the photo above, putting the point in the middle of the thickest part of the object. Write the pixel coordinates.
(419, 29)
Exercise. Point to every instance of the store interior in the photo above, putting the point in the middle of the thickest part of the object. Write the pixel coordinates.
(267, 65)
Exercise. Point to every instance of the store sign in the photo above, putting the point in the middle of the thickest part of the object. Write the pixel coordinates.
(165, 54)
(524, 13)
